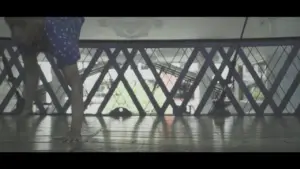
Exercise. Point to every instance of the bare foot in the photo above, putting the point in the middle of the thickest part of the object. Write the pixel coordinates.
(72, 137)
(25, 112)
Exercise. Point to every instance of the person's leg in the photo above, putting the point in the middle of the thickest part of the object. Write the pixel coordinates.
(73, 79)
(32, 71)
(63, 37)
(29, 55)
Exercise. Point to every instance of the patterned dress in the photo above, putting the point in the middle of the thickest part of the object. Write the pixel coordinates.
(63, 34)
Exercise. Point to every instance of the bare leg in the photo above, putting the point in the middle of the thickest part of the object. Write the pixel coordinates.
(73, 79)
(31, 80)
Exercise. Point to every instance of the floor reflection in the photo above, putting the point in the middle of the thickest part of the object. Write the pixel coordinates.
(155, 134)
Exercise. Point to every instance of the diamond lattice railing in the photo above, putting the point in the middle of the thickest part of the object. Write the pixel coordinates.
(167, 77)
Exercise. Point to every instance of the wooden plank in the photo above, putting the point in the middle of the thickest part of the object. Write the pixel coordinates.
(155, 134)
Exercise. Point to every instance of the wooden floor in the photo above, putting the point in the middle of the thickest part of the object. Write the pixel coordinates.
(152, 134)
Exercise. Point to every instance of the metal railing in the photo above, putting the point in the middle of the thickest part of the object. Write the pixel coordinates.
(202, 64)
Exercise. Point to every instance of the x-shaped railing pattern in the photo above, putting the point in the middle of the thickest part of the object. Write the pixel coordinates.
(14, 60)
(198, 47)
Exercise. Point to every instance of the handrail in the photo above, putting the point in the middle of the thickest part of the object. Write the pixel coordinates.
(179, 42)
